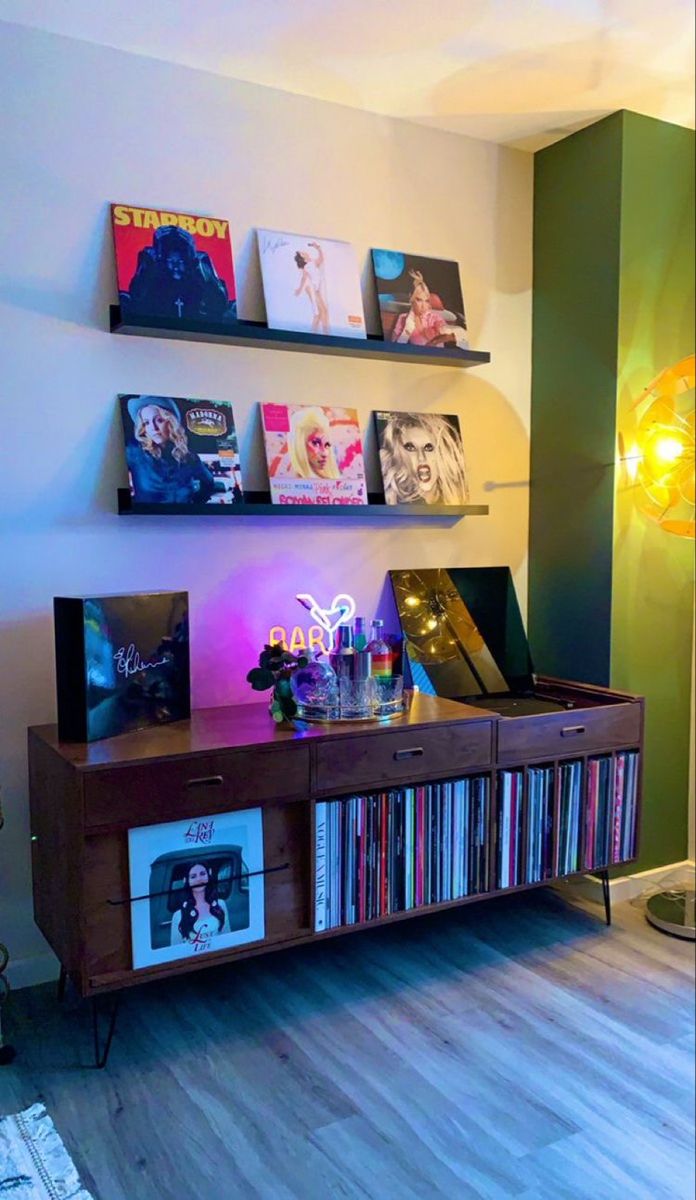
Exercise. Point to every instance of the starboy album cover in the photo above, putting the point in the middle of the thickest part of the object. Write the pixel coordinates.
(311, 284)
(421, 457)
(181, 450)
(420, 300)
(173, 265)
(314, 454)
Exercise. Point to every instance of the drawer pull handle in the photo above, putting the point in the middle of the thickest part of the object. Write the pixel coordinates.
(205, 781)
(414, 752)
(572, 730)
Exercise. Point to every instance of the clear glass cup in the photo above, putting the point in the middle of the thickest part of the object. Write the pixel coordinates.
(356, 698)
(388, 694)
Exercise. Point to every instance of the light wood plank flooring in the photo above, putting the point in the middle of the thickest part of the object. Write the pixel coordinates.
(514, 1048)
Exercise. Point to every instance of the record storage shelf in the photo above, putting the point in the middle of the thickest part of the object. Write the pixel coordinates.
(259, 336)
(258, 504)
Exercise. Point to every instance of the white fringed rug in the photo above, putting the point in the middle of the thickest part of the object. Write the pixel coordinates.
(34, 1164)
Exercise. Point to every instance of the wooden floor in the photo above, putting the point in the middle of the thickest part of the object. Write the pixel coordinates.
(515, 1048)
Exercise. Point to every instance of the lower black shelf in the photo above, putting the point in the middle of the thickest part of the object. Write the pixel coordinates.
(258, 504)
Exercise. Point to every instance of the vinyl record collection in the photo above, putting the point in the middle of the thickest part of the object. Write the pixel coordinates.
(525, 858)
(392, 851)
(610, 815)
(569, 788)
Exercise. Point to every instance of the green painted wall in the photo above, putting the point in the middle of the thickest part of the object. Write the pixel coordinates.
(577, 210)
(610, 593)
(653, 592)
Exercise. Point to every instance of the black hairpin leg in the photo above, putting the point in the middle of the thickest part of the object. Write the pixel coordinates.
(60, 988)
(7, 1053)
(607, 895)
(101, 1053)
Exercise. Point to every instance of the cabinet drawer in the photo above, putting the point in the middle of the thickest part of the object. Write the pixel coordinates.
(578, 731)
(392, 756)
(177, 788)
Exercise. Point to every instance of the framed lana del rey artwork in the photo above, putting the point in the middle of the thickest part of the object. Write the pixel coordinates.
(196, 886)
(311, 284)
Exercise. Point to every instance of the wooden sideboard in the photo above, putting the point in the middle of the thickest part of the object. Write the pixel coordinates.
(85, 797)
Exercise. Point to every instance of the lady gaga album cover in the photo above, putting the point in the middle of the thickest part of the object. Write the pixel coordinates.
(422, 458)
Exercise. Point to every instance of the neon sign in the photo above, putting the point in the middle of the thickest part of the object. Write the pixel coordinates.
(318, 638)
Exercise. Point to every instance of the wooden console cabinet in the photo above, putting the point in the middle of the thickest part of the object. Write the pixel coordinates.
(85, 798)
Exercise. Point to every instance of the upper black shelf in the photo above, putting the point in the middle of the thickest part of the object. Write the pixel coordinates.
(258, 504)
(252, 333)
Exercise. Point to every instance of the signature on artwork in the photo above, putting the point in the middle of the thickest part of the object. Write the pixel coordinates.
(129, 662)
(271, 244)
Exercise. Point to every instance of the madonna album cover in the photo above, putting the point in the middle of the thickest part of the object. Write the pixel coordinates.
(181, 451)
(422, 458)
(314, 454)
(197, 886)
(311, 284)
(420, 300)
(173, 265)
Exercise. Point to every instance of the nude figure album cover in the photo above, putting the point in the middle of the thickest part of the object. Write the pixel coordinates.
(173, 265)
(196, 886)
(181, 450)
(420, 300)
(310, 284)
(314, 454)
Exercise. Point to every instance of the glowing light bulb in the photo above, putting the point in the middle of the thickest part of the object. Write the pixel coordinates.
(669, 449)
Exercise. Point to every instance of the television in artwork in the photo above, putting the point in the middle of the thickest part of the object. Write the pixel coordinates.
(420, 300)
(197, 886)
(180, 450)
(422, 458)
(173, 265)
(311, 284)
(314, 454)
(122, 663)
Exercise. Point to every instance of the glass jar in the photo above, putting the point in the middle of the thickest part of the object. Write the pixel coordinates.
(315, 691)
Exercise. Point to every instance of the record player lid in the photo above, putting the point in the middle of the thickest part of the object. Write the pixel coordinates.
(463, 631)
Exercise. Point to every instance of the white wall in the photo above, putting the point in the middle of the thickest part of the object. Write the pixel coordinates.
(83, 126)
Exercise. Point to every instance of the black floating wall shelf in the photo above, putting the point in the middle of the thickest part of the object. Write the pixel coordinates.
(251, 333)
(258, 504)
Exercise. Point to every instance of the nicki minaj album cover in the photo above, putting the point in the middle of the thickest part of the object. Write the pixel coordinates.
(311, 285)
(173, 265)
(314, 454)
